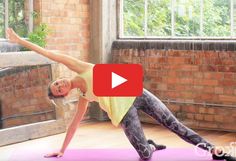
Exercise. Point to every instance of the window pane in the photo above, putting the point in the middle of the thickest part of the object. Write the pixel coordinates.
(192, 18)
(187, 18)
(159, 18)
(234, 18)
(216, 18)
(133, 17)
(18, 13)
(1, 19)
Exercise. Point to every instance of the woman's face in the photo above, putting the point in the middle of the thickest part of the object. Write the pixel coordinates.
(61, 87)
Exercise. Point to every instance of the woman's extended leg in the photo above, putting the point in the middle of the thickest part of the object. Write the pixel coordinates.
(133, 130)
(151, 105)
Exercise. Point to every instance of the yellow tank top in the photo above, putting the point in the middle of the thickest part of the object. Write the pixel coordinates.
(116, 107)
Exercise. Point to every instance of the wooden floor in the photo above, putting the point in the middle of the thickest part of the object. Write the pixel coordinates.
(104, 135)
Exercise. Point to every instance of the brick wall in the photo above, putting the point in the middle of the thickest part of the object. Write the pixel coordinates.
(69, 22)
(24, 96)
(198, 86)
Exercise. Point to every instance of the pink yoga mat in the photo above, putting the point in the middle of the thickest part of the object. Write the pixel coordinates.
(168, 154)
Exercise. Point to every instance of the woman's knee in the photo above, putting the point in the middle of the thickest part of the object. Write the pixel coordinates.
(145, 154)
(146, 157)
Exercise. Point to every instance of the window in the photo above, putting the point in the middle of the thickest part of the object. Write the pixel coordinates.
(17, 14)
(177, 18)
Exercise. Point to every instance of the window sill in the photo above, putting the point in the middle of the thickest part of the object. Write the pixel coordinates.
(5, 46)
(22, 58)
(31, 131)
(215, 45)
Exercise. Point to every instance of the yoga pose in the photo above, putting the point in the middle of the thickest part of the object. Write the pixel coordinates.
(121, 110)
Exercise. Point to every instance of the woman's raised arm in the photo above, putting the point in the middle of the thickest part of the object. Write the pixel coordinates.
(69, 61)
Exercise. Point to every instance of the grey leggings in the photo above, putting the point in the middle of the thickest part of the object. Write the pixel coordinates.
(152, 106)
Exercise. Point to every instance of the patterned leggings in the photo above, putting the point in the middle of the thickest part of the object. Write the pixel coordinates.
(152, 106)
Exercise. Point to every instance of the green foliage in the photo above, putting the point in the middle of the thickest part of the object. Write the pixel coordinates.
(187, 18)
(18, 21)
(133, 17)
(17, 17)
(216, 18)
(39, 35)
(1, 19)
(159, 17)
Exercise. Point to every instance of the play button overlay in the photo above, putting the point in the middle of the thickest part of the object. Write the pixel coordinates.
(117, 80)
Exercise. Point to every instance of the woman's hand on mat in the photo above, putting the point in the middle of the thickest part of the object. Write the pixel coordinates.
(12, 36)
(58, 155)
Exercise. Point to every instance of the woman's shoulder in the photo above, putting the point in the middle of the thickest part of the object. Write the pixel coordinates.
(88, 68)
(87, 71)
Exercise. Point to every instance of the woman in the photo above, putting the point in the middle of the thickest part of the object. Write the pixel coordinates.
(121, 110)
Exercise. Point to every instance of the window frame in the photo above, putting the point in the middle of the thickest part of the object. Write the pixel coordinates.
(173, 37)
(6, 17)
